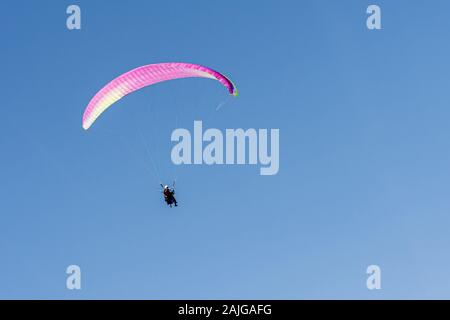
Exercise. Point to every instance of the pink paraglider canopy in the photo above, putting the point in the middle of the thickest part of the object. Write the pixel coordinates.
(144, 76)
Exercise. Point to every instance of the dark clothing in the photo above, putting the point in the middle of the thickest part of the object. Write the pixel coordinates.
(169, 197)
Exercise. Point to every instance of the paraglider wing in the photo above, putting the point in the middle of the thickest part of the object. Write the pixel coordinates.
(145, 76)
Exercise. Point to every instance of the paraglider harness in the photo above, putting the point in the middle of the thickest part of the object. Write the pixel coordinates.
(169, 196)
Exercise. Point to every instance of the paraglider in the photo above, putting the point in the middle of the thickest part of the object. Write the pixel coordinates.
(169, 196)
(146, 76)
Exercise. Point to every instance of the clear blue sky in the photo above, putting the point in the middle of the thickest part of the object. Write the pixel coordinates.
(364, 162)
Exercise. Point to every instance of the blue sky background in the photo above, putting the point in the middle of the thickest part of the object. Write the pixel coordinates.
(364, 160)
